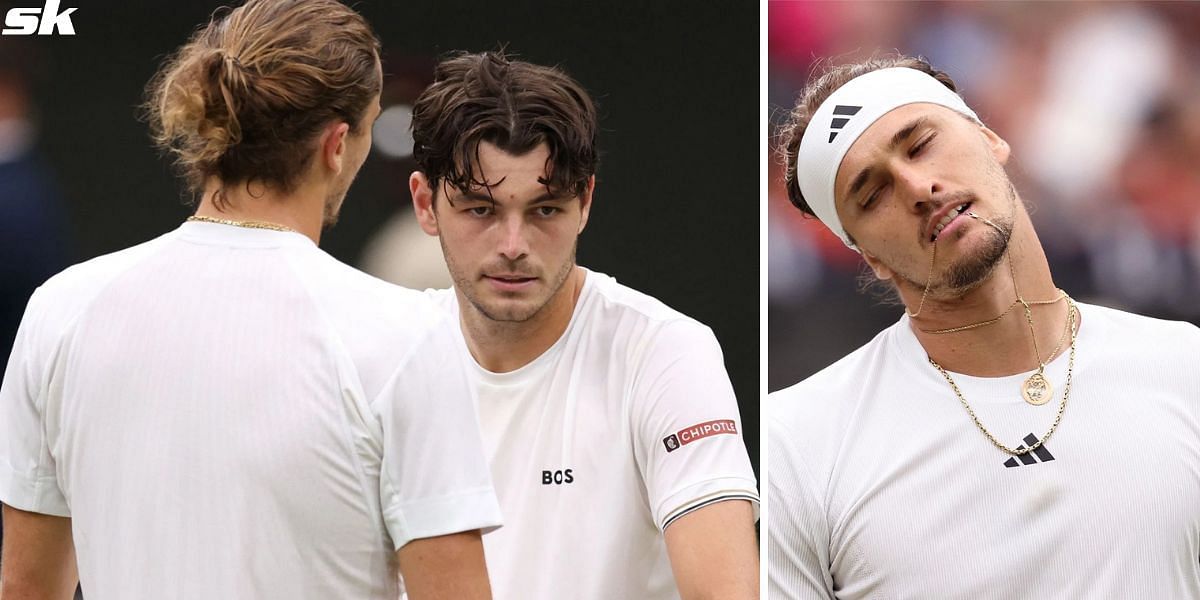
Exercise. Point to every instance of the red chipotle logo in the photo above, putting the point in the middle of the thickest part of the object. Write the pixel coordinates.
(686, 436)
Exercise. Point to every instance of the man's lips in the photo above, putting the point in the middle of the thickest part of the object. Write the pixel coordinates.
(509, 281)
(943, 218)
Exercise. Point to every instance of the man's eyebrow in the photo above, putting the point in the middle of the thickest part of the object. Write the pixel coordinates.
(475, 197)
(860, 180)
(479, 196)
(864, 175)
(906, 131)
(551, 197)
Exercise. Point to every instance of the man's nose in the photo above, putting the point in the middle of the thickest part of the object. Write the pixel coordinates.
(513, 243)
(917, 188)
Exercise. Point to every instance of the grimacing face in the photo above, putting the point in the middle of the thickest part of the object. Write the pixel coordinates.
(510, 245)
(908, 181)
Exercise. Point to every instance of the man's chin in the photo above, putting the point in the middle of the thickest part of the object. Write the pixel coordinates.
(964, 273)
(969, 272)
(509, 314)
(506, 310)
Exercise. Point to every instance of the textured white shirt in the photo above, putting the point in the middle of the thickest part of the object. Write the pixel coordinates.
(231, 413)
(881, 486)
(626, 423)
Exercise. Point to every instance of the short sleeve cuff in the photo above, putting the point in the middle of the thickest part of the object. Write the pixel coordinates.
(32, 494)
(704, 493)
(431, 517)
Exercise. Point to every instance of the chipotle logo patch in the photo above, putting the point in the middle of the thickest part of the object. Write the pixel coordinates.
(699, 431)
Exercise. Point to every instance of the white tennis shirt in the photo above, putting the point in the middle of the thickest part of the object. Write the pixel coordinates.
(626, 423)
(231, 413)
(881, 486)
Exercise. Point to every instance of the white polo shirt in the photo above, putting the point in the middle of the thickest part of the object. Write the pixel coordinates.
(622, 426)
(232, 413)
(882, 487)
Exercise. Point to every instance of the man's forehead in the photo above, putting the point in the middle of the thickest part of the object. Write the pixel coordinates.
(490, 155)
(879, 135)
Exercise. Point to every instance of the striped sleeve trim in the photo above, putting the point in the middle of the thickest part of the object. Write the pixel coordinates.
(706, 501)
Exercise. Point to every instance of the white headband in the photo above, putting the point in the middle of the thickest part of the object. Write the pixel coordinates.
(844, 116)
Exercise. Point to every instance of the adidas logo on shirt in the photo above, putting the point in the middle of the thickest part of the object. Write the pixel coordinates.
(840, 122)
(1028, 458)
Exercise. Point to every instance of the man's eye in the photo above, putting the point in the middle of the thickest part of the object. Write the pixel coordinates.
(547, 211)
(921, 146)
(870, 199)
(480, 211)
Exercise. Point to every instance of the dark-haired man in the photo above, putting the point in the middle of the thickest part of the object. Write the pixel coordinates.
(1001, 440)
(610, 421)
(226, 411)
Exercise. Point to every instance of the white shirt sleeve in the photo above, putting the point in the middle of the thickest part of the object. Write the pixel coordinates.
(28, 477)
(798, 537)
(435, 478)
(687, 431)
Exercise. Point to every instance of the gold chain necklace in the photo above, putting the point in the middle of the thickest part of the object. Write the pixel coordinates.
(928, 282)
(1036, 389)
(246, 224)
(1072, 311)
(1061, 295)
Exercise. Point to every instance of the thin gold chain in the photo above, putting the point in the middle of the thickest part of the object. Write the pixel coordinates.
(1072, 311)
(1062, 338)
(1026, 303)
(246, 224)
(994, 319)
(928, 282)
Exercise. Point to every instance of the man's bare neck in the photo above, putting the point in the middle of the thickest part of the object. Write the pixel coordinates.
(1003, 347)
(300, 212)
(503, 346)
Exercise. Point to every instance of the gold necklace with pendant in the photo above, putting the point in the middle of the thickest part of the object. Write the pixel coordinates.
(1037, 389)
(1072, 313)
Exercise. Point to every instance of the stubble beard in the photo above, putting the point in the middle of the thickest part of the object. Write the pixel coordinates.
(510, 314)
(969, 272)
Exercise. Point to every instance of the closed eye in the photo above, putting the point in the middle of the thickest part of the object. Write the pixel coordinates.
(917, 149)
(871, 199)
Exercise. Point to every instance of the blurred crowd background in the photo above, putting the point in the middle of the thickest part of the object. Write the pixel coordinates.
(675, 210)
(1100, 102)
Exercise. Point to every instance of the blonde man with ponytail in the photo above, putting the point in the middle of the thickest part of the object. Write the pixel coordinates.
(226, 411)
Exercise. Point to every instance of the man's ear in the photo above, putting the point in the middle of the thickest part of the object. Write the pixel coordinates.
(585, 203)
(333, 146)
(423, 202)
(881, 270)
(997, 145)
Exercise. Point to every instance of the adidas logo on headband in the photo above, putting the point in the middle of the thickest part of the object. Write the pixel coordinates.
(838, 124)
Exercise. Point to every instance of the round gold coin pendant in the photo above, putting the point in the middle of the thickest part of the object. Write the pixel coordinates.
(1037, 389)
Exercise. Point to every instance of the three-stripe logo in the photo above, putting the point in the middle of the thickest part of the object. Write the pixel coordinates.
(841, 116)
(1042, 453)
